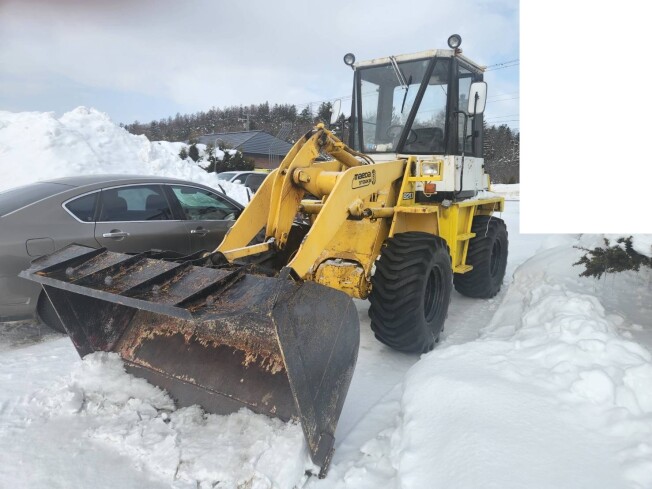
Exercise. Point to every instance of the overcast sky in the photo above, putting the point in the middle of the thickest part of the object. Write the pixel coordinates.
(145, 60)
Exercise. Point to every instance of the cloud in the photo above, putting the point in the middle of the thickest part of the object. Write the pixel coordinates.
(197, 54)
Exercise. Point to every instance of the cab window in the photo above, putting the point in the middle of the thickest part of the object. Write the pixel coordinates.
(387, 94)
(426, 134)
(465, 78)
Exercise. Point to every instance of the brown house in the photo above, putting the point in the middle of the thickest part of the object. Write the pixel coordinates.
(266, 150)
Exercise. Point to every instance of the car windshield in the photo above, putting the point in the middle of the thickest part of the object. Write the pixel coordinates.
(16, 198)
(227, 175)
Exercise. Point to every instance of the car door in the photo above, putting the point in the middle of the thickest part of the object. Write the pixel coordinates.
(137, 218)
(208, 215)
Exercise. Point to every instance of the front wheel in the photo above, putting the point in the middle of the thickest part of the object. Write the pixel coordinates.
(411, 291)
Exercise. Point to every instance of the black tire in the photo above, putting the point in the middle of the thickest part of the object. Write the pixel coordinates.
(47, 315)
(488, 256)
(411, 291)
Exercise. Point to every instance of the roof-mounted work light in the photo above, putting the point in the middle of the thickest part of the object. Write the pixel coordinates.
(454, 41)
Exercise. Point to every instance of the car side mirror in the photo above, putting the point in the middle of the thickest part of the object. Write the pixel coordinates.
(237, 181)
(477, 98)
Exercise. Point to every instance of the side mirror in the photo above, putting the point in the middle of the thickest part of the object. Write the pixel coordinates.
(335, 111)
(237, 181)
(477, 98)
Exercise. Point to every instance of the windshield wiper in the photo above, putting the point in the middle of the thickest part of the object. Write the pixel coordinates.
(407, 87)
(401, 80)
(398, 72)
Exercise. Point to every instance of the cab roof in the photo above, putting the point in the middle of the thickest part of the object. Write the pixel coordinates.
(431, 53)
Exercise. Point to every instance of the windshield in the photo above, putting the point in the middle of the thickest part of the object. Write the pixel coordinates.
(387, 96)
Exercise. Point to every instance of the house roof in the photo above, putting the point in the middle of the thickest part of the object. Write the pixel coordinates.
(249, 142)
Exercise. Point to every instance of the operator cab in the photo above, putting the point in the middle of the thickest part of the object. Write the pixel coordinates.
(429, 105)
(407, 104)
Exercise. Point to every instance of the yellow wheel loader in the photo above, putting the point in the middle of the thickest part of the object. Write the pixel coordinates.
(400, 216)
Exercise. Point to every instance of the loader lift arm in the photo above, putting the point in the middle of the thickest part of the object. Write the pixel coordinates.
(342, 184)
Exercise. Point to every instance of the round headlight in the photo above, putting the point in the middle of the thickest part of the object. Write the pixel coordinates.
(349, 59)
(454, 41)
(429, 169)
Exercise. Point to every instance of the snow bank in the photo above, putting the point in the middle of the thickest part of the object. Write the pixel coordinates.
(509, 191)
(551, 395)
(642, 243)
(38, 146)
(106, 409)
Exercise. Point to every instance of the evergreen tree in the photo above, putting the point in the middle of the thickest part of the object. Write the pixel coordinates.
(501, 143)
(211, 159)
(324, 112)
(193, 152)
(612, 258)
(232, 161)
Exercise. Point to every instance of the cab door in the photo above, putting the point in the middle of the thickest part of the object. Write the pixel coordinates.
(208, 215)
(137, 218)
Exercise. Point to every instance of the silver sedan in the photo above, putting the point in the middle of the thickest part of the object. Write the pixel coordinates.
(123, 213)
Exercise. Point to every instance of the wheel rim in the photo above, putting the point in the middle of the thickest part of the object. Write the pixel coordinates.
(496, 253)
(434, 294)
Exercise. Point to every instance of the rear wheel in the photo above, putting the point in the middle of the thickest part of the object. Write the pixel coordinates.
(411, 291)
(47, 315)
(488, 256)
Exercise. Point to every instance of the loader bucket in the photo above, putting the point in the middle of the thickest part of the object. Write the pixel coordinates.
(223, 339)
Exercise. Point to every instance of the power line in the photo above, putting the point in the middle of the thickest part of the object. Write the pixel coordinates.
(503, 63)
(502, 67)
(498, 95)
(504, 116)
(501, 100)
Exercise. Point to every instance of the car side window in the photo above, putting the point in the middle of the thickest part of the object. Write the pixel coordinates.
(134, 203)
(83, 208)
(202, 205)
(254, 180)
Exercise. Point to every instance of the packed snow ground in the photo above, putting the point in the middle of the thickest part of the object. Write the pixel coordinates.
(547, 385)
(539, 387)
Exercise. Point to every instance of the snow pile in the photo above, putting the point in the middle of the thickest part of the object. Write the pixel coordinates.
(551, 395)
(509, 191)
(103, 406)
(38, 146)
(642, 243)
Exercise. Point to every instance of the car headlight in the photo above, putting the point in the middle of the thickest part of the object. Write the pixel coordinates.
(429, 169)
